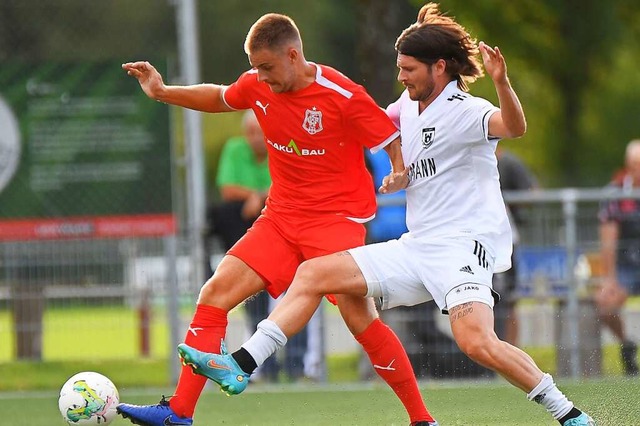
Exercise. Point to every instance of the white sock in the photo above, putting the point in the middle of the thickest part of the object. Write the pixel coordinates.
(547, 394)
(267, 339)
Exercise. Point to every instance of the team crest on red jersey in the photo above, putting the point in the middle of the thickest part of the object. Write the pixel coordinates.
(312, 121)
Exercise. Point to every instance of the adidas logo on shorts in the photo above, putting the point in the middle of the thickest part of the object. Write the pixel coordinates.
(467, 269)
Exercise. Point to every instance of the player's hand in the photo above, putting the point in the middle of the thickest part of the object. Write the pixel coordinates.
(394, 182)
(149, 78)
(610, 296)
(494, 62)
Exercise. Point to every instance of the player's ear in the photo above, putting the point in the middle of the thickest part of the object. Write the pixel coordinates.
(293, 54)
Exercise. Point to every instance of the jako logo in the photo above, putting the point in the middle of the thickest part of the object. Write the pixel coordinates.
(292, 148)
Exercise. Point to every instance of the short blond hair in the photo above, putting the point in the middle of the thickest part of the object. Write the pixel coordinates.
(272, 31)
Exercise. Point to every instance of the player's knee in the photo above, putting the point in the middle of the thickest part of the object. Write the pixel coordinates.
(610, 300)
(223, 292)
(471, 347)
(207, 292)
(478, 346)
(309, 276)
(606, 307)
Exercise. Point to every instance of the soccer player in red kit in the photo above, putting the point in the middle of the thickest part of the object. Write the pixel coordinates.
(316, 122)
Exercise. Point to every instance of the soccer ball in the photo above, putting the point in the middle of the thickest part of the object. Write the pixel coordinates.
(88, 398)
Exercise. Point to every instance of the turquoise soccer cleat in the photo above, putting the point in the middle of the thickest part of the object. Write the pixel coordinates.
(222, 369)
(582, 420)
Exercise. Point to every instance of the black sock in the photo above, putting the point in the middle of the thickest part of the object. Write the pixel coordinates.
(245, 360)
(570, 415)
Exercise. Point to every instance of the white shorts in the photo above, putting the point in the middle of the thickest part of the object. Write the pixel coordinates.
(409, 271)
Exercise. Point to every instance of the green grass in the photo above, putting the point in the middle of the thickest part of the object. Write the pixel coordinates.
(107, 332)
(611, 402)
(154, 372)
(29, 376)
(94, 332)
(104, 339)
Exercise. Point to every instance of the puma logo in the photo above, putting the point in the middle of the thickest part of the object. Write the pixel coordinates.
(194, 330)
(263, 107)
(388, 367)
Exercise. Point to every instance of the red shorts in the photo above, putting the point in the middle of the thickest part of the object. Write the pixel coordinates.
(278, 243)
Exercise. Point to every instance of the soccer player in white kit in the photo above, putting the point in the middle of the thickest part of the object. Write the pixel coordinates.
(459, 233)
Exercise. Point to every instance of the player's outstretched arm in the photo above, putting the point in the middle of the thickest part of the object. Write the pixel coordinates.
(398, 178)
(510, 122)
(199, 97)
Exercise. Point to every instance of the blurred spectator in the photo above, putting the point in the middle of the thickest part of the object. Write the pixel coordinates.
(514, 176)
(620, 255)
(390, 221)
(243, 181)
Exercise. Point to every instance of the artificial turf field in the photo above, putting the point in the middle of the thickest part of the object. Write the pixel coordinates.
(609, 401)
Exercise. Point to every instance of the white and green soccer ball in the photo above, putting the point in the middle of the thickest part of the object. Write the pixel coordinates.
(88, 398)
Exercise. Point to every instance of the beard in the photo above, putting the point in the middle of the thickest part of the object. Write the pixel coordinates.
(423, 93)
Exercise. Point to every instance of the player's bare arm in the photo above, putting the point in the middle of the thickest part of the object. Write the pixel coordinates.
(199, 97)
(609, 237)
(611, 295)
(398, 178)
(509, 122)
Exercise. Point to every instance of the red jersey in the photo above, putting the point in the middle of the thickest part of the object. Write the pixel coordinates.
(315, 138)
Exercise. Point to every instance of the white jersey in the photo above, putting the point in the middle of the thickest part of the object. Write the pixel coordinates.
(454, 187)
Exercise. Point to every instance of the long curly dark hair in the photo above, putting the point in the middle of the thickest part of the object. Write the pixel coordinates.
(436, 36)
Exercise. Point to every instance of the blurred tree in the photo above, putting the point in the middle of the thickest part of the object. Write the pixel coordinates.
(567, 49)
(77, 30)
(573, 62)
(327, 31)
(379, 24)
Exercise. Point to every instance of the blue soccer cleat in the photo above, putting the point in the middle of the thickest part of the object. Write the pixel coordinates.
(222, 369)
(425, 423)
(582, 420)
(153, 415)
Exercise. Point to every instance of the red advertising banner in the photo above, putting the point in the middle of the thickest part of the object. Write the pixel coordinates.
(150, 225)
